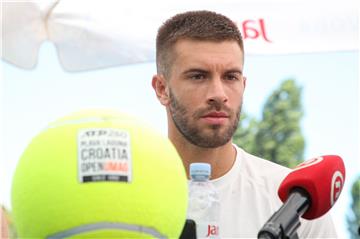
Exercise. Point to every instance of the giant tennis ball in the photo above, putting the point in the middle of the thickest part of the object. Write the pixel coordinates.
(99, 174)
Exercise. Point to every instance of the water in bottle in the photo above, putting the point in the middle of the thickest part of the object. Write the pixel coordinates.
(204, 204)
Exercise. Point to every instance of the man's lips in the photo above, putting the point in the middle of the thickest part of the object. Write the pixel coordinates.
(216, 114)
(215, 117)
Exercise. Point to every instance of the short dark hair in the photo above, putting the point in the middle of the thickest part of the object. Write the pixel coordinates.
(193, 25)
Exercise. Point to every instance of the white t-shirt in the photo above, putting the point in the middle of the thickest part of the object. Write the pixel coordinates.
(248, 197)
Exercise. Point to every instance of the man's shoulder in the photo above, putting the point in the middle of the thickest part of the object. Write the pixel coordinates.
(261, 170)
(257, 166)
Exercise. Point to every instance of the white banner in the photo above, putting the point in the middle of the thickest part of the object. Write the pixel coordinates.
(101, 33)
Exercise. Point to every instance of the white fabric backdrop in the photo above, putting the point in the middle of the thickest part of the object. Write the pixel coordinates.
(91, 34)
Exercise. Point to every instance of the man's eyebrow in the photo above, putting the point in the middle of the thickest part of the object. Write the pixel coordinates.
(198, 70)
(195, 70)
(234, 71)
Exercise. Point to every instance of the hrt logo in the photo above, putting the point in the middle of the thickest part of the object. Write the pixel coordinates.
(337, 183)
(213, 230)
(309, 162)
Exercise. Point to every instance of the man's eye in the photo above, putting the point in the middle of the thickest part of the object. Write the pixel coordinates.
(197, 77)
(231, 77)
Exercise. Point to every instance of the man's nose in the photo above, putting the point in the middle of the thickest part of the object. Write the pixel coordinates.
(216, 92)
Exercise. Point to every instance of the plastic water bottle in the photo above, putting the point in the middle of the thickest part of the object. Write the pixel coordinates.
(204, 203)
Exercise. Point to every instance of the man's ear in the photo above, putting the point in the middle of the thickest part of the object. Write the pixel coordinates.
(161, 89)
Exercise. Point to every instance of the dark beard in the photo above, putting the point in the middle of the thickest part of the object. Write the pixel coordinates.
(193, 134)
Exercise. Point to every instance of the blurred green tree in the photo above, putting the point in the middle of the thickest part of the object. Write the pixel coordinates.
(245, 133)
(353, 218)
(277, 136)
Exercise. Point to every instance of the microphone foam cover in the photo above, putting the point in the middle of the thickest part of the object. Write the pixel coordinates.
(322, 178)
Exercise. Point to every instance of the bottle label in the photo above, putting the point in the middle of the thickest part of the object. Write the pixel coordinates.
(207, 230)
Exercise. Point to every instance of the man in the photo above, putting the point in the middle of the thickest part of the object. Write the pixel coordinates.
(200, 81)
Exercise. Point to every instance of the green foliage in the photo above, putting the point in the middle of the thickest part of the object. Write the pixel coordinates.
(245, 134)
(277, 136)
(353, 218)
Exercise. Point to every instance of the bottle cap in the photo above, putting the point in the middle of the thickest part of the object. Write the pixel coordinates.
(200, 171)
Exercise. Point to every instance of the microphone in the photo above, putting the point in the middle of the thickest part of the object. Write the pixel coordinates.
(309, 191)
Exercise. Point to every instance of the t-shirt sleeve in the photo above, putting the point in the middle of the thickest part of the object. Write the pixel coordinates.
(322, 227)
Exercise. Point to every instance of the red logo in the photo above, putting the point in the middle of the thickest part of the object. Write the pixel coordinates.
(309, 162)
(337, 183)
(213, 230)
(254, 29)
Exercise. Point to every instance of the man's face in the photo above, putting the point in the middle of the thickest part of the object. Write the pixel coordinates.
(206, 88)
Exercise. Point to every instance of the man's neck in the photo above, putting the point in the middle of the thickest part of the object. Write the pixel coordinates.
(221, 158)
